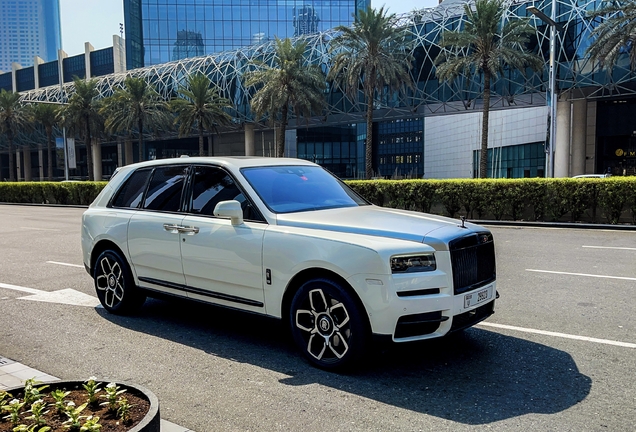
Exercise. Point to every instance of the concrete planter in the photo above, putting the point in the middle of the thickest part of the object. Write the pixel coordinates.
(151, 421)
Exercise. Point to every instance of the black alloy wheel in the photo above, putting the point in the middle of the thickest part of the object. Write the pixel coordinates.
(115, 285)
(326, 325)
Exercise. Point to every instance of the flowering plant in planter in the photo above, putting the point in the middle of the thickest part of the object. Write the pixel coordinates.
(74, 406)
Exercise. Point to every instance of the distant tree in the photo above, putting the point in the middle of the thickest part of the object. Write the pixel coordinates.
(290, 84)
(375, 51)
(483, 46)
(13, 118)
(81, 114)
(134, 107)
(615, 35)
(47, 115)
(200, 106)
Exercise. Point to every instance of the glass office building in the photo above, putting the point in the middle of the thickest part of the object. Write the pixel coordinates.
(158, 31)
(28, 28)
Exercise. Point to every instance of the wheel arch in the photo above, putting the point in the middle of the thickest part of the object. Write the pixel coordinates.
(320, 273)
(102, 246)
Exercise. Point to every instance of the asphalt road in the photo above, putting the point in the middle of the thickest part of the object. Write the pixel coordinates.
(216, 370)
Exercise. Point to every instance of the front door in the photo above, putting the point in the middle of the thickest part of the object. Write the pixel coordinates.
(222, 263)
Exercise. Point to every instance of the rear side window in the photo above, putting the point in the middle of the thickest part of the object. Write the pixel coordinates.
(166, 186)
(132, 192)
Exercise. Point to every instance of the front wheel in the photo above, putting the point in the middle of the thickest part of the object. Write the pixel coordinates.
(326, 325)
(115, 285)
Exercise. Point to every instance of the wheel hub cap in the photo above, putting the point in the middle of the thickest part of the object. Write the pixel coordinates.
(325, 325)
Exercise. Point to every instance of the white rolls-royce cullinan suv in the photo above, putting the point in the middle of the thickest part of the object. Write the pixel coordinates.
(285, 238)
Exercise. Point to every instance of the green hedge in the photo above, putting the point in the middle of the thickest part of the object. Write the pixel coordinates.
(69, 193)
(608, 200)
(611, 200)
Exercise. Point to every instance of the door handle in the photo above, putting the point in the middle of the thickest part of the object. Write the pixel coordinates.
(189, 230)
(171, 228)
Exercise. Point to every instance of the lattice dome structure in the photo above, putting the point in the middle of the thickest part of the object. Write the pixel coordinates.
(575, 73)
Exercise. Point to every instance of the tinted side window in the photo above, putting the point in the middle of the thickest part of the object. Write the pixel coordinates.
(166, 185)
(132, 192)
(213, 185)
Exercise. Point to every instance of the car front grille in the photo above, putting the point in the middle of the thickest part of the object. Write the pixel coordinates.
(473, 261)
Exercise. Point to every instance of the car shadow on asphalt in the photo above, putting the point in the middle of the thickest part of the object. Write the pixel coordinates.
(472, 377)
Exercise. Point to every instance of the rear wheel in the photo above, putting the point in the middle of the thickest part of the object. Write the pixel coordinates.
(115, 285)
(326, 324)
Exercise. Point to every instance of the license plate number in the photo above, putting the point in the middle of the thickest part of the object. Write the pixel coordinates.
(473, 299)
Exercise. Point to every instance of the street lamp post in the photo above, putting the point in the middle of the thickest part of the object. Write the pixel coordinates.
(551, 21)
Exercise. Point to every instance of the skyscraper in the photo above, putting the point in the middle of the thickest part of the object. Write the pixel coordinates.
(28, 28)
(153, 26)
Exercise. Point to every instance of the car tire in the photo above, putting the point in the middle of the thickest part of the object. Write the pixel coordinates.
(327, 325)
(115, 285)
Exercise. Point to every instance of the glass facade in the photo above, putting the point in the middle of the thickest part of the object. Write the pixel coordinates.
(335, 148)
(102, 62)
(24, 79)
(28, 28)
(6, 82)
(49, 74)
(74, 67)
(158, 31)
(400, 149)
(518, 161)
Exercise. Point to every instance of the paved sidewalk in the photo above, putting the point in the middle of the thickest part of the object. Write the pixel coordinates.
(13, 374)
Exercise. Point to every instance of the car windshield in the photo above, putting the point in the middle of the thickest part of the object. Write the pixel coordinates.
(288, 189)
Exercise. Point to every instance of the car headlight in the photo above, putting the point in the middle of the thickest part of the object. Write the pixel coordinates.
(413, 263)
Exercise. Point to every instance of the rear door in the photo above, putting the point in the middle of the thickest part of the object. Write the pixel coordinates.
(153, 232)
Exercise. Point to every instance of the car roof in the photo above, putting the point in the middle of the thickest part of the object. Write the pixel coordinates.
(228, 161)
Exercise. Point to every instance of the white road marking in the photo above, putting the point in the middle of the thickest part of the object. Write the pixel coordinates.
(561, 335)
(609, 247)
(19, 288)
(65, 296)
(582, 274)
(41, 229)
(65, 264)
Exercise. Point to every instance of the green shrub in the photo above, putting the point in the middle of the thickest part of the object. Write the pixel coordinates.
(538, 199)
(613, 195)
(68, 193)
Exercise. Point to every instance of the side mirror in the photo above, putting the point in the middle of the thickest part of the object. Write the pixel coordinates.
(230, 209)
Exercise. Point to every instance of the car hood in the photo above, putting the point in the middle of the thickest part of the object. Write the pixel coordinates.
(383, 222)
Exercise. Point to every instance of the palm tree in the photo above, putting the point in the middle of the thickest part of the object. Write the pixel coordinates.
(200, 106)
(82, 115)
(13, 118)
(48, 116)
(135, 106)
(614, 35)
(290, 83)
(377, 53)
(483, 46)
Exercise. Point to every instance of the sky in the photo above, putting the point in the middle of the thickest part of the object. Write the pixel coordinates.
(96, 21)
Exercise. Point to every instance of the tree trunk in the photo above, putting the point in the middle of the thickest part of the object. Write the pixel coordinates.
(368, 152)
(89, 153)
(201, 147)
(483, 157)
(280, 136)
(11, 160)
(140, 126)
(49, 153)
